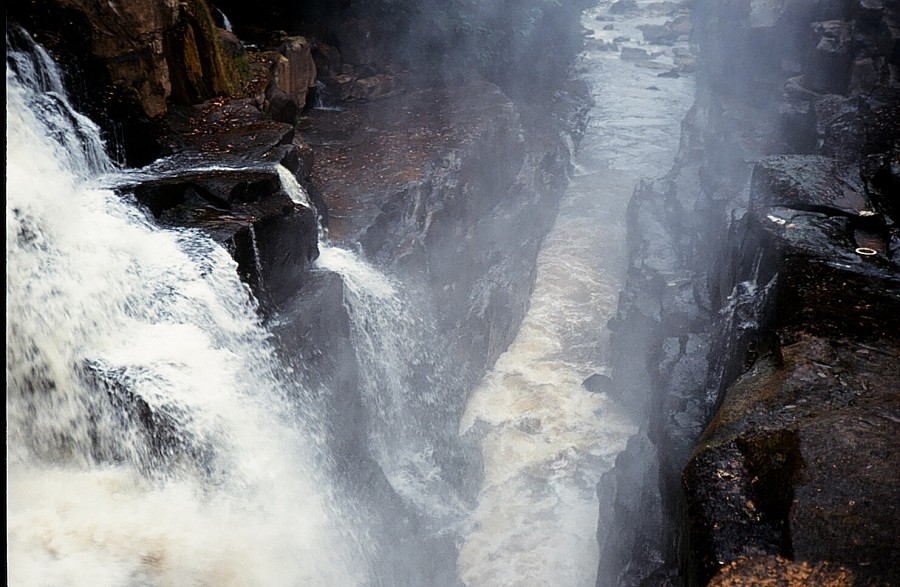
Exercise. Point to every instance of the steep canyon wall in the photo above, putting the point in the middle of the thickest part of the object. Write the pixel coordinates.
(764, 273)
(439, 177)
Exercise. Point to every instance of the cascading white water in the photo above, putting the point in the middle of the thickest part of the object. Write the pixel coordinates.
(321, 95)
(549, 439)
(405, 390)
(150, 440)
(226, 23)
(153, 438)
(292, 187)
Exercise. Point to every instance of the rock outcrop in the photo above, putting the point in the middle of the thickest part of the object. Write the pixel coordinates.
(244, 179)
(765, 278)
(126, 64)
(453, 188)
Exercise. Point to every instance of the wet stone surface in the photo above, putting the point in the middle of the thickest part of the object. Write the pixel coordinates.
(369, 153)
(782, 214)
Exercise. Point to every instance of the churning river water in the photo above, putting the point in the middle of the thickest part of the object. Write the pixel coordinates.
(106, 311)
(550, 439)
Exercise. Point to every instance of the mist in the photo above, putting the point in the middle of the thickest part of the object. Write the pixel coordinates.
(412, 293)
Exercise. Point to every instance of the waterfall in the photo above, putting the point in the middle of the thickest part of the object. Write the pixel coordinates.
(226, 24)
(292, 187)
(152, 436)
(407, 388)
(320, 94)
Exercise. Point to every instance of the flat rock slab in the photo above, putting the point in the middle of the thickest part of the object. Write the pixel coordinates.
(224, 178)
(837, 273)
(806, 182)
(369, 152)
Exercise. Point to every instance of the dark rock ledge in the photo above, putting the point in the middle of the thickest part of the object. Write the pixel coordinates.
(225, 180)
(759, 323)
(436, 175)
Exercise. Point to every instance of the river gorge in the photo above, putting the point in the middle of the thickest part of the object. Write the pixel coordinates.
(419, 294)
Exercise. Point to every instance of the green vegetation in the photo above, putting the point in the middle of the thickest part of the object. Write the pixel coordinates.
(220, 72)
(199, 68)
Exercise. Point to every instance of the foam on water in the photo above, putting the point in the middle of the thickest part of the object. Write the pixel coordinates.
(548, 440)
(150, 440)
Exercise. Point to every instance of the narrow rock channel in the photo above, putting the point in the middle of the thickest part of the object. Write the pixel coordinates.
(547, 437)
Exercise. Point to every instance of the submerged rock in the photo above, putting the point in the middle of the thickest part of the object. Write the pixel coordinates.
(598, 383)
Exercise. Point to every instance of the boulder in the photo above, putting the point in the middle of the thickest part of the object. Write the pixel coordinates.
(327, 59)
(831, 58)
(623, 7)
(295, 73)
(798, 463)
(667, 33)
(658, 34)
(375, 87)
(634, 54)
(598, 383)
(280, 106)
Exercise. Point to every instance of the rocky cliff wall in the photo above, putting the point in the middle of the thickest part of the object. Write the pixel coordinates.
(765, 278)
(127, 64)
(451, 181)
(444, 181)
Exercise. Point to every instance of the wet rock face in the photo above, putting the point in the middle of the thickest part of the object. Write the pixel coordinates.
(130, 40)
(127, 63)
(225, 180)
(797, 460)
(452, 187)
(798, 463)
(767, 275)
(293, 77)
(838, 276)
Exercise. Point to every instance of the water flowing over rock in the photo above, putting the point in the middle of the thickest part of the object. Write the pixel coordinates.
(452, 188)
(151, 431)
(352, 316)
(381, 414)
